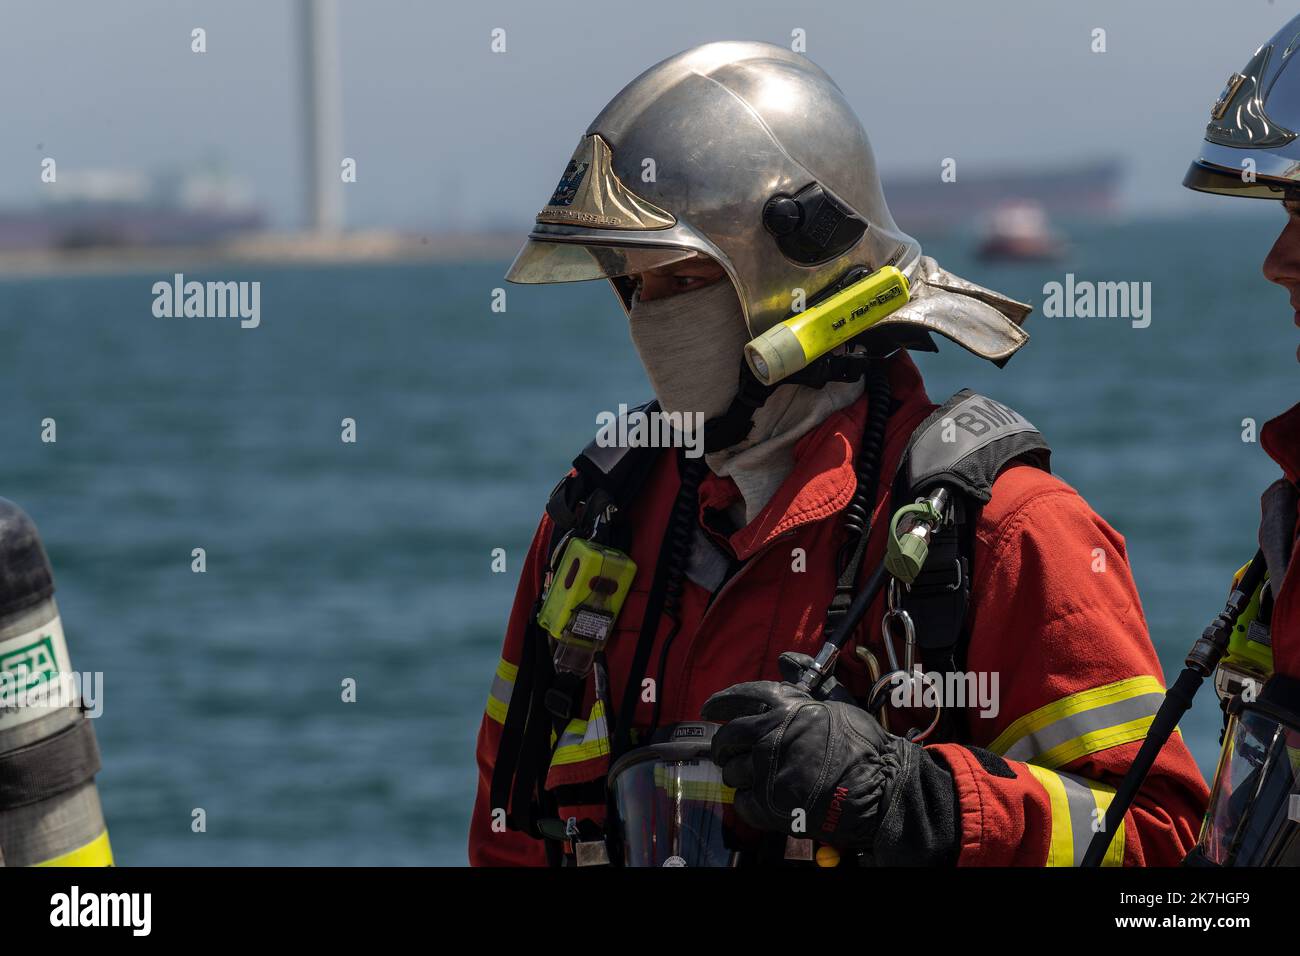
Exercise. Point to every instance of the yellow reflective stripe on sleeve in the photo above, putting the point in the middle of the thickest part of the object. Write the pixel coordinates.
(1074, 804)
(583, 739)
(1083, 723)
(1060, 846)
(503, 685)
(95, 853)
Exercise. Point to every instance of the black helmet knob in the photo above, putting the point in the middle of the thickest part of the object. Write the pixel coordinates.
(782, 215)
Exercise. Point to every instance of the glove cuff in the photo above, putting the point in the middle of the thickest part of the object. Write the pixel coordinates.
(920, 826)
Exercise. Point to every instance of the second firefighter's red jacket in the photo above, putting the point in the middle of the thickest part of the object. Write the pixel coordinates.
(1281, 439)
(1054, 613)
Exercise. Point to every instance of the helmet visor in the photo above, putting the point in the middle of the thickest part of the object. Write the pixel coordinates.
(673, 807)
(1207, 177)
(545, 260)
(1254, 813)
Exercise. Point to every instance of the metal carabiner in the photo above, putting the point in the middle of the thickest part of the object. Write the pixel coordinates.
(554, 562)
(916, 677)
(606, 516)
(892, 599)
(895, 613)
(909, 672)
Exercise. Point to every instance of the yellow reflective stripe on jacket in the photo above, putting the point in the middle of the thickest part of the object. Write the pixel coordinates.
(503, 684)
(1082, 723)
(1075, 803)
(583, 739)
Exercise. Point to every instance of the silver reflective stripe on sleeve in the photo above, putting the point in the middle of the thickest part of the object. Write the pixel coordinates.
(1083, 723)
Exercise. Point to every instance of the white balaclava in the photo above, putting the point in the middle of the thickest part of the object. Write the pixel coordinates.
(691, 345)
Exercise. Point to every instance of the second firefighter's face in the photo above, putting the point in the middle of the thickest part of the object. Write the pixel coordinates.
(1282, 265)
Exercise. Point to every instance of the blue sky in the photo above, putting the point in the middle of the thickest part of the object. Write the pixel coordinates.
(448, 135)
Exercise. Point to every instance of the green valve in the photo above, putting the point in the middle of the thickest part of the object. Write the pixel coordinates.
(907, 549)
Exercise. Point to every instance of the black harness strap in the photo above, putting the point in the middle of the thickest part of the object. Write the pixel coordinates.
(938, 602)
(940, 595)
(605, 480)
(964, 444)
(1277, 526)
(857, 516)
(664, 591)
(535, 749)
(509, 749)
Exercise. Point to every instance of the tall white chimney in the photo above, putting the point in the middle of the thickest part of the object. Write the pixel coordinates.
(321, 115)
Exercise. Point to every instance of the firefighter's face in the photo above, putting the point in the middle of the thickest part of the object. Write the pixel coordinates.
(678, 277)
(1282, 265)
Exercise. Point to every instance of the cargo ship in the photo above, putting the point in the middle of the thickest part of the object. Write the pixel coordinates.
(95, 209)
(926, 206)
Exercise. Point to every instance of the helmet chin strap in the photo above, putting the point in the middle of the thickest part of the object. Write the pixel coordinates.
(734, 425)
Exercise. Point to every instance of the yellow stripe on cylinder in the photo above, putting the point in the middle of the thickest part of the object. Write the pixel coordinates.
(95, 853)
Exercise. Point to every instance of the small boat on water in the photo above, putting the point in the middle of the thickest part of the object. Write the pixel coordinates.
(1020, 232)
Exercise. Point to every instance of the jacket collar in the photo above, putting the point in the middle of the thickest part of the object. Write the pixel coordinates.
(1281, 439)
(823, 480)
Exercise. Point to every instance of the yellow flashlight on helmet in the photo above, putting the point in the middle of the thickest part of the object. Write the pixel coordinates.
(803, 338)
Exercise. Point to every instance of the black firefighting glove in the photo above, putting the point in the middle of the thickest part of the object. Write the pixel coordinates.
(857, 785)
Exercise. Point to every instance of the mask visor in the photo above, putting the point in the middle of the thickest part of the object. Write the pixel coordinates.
(1254, 813)
(673, 807)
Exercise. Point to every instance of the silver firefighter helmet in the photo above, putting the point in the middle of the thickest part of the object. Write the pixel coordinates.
(749, 154)
(1251, 147)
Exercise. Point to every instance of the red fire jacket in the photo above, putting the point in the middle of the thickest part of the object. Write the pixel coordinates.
(1054, 612)
(1281, 439)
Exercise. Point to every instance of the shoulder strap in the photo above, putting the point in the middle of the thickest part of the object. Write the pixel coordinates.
(603, 476)
(1277, 526)
(605, 480)
(964, 444)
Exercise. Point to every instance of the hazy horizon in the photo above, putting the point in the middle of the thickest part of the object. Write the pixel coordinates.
(449, 136)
